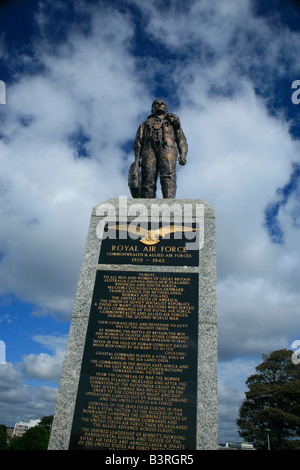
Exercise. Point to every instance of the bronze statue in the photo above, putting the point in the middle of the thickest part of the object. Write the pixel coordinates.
(158, 141)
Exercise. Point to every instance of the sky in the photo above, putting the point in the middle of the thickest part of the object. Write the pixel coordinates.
(80, 76)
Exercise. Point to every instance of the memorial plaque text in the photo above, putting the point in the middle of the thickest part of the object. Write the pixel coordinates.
(137, 387)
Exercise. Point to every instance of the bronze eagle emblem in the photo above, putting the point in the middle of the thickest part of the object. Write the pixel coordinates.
(151, 237)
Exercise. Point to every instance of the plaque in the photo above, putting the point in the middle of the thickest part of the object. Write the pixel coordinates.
(150, 244)
(137, 387)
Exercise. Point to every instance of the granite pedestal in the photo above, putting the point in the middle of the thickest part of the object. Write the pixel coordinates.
(140, 369)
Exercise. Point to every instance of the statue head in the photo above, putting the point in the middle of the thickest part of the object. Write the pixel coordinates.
(159, 107)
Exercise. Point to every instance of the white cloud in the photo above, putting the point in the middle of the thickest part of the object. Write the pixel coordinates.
(231, 390)
(44, 366)
(241, 155)
(8, 377)
(47, 193)
(20, 399)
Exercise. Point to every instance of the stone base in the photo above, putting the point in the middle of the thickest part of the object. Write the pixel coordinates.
(140, 369)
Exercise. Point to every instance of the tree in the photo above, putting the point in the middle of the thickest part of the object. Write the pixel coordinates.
(46, 422)
(36, 438)
(271, 408)
(16, 443)
(3, 437)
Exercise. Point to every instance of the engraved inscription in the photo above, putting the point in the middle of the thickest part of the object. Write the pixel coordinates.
(119, 248)
(138, 381)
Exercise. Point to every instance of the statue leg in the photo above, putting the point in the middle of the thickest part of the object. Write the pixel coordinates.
(149, 169)
(167, 170)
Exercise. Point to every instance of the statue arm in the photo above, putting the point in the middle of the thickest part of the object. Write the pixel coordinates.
(137, 147)
(180, 138)
(182, 146)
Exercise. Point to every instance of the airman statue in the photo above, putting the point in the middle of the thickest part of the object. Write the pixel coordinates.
(159, 140)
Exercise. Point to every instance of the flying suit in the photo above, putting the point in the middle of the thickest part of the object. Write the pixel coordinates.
(157, 143)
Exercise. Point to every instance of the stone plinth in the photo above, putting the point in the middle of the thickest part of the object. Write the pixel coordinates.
(140, 369)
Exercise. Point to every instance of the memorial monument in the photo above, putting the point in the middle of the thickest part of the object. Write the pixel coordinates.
(140, 369)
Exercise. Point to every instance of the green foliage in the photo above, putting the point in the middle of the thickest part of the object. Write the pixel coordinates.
(35, 438)
(16, 443)
(272, 404)
(46, 422)
(3, 437)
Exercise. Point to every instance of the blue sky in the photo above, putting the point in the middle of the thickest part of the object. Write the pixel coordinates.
(80, 76)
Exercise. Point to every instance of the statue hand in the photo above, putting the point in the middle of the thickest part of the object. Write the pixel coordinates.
(182, 160)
